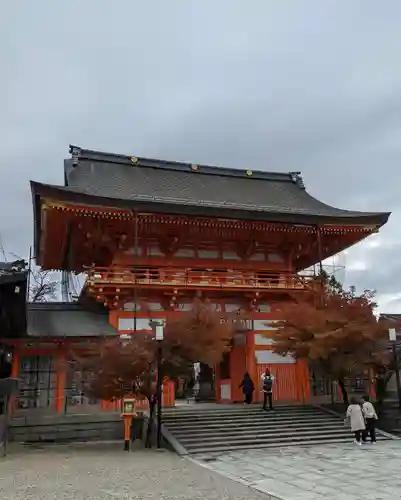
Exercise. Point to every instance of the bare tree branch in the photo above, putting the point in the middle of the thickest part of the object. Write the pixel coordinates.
(43, 286)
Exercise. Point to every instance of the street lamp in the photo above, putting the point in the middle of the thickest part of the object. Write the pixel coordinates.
(392, 334)
(159, 335)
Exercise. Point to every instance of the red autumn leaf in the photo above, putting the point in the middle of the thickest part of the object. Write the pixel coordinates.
(115, 368)
(337, 332)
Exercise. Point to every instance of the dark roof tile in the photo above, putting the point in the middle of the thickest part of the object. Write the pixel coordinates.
(116, 176)
(58, 319)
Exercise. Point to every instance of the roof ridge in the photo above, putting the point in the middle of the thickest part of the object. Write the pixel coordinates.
(54, 305)
(79, 154)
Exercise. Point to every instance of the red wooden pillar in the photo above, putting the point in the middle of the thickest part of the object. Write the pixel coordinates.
(61, 376)
(251, 361)
(372, 388)
(302, 381)
(15, 369)
(15, 365)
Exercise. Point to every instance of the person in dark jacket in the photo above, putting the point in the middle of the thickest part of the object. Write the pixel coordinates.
(267, 388)
(247, 388)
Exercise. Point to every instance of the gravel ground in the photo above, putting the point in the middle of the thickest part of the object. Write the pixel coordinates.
(104, 471)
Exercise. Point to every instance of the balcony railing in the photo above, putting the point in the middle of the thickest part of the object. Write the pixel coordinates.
(194, 278)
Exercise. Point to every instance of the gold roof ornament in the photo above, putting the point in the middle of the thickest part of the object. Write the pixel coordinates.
(134, 160)
(249, 173)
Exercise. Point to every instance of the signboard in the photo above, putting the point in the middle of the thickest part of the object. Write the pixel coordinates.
(392, 334)
(128, 406)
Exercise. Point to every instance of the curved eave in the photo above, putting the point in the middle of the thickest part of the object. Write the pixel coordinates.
(67, 195)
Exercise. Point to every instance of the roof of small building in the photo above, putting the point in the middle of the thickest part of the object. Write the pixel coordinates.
(390, 316)
(13, 272)
(173, 187)
(62, 319)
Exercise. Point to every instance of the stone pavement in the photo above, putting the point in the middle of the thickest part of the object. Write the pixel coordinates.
(104, 471)
(324, 472)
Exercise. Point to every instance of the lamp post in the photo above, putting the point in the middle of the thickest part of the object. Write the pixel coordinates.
(159, 334)
(392, 334)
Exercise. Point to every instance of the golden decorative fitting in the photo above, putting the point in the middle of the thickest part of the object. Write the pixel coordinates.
(134, 160)
(117, 290)
(249, 173)
(194, 167)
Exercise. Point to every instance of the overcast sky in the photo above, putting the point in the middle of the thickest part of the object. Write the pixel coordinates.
(265, 84)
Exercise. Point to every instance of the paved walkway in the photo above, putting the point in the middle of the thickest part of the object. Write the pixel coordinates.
(100, 472)
(326, 472)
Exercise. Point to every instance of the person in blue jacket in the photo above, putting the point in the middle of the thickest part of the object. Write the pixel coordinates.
(248, 388)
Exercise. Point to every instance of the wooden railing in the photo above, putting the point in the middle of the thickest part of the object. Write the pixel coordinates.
(195, 278)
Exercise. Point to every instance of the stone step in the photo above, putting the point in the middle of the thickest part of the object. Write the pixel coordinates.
(262, 420)
(238, 407)
(196, 410)
(224, 445)
(224, 448)
(266, 436)
(244, 415)
(295, 426)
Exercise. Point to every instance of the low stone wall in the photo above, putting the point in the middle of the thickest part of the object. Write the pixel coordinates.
(3, 435)
(70, 428)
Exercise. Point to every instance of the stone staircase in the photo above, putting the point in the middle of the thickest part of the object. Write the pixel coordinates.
(213, 428)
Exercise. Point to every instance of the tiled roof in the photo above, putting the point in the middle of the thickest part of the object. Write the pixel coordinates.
(391, 317)
(184, 186)
(141, 179)
(12, 272)
(58, 319)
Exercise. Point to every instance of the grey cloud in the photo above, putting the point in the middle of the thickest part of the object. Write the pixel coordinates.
(312, 86)
(383, 268)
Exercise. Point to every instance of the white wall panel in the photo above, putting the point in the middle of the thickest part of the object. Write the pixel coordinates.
(185, 307)
(127, 324)
(257, 257)
(228, 255)
(232, 307)
(264, 324)
(155, 306)
(269, 357)
(225, 391)
(208, 254)
(130, 306)
(274, 257)
(185, 252)
(155, 251)
(261, 339)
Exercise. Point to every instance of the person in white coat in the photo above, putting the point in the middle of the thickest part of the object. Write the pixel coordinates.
(357, 420)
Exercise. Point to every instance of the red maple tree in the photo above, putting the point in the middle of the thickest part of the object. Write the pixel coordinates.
(115, 368)
(337, 333)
